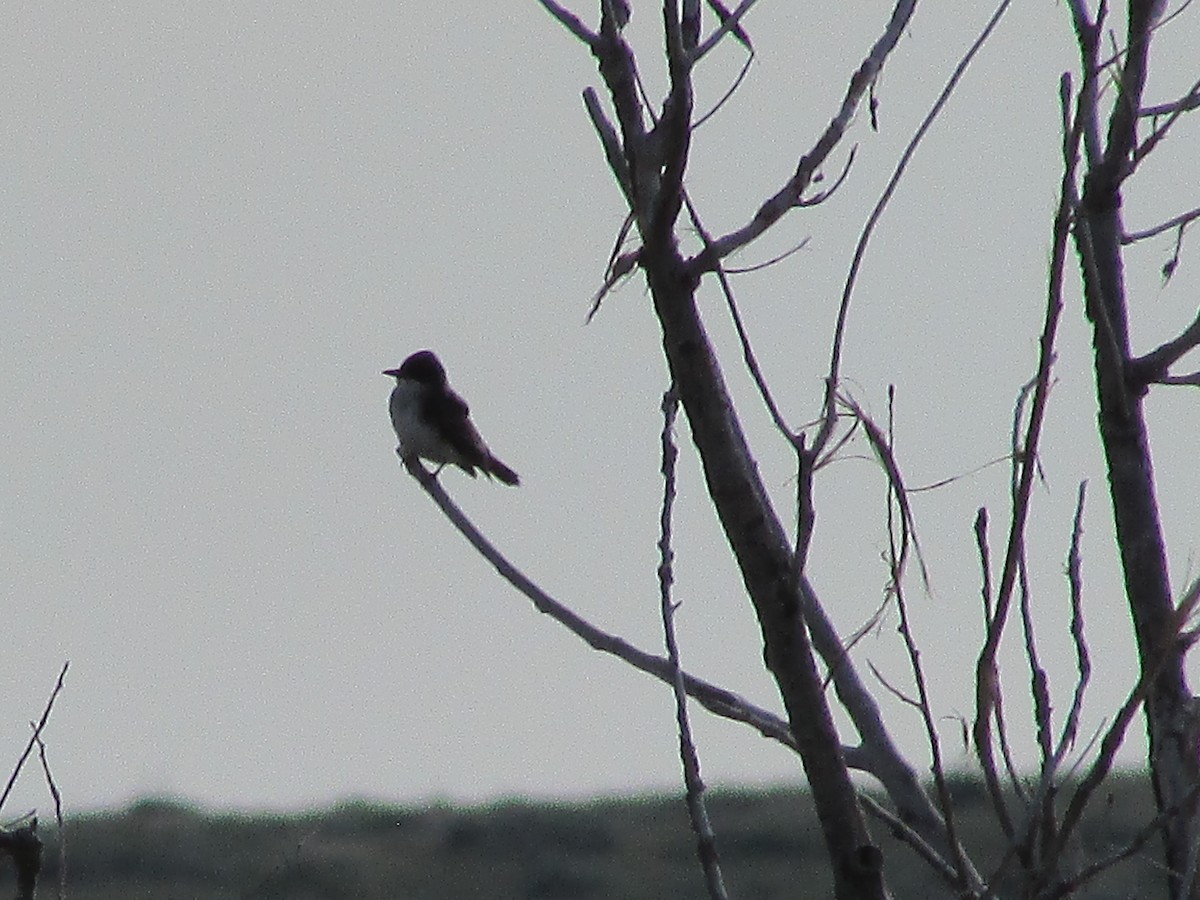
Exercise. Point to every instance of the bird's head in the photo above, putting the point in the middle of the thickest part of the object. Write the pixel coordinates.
(423, 367)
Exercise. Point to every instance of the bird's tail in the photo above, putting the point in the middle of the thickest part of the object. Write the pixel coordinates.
(499, 470)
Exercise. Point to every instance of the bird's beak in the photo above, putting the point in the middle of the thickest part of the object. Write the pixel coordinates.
(395, 373)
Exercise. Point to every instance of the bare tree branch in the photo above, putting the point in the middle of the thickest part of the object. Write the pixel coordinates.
(1083, 662)
(618, 68)
(882, 448)
(61, 834)
(902, 832)
(987, 686)
(1180, 220)
(619, 265)
(1178, 11)
(1115, 735)
(985, 566)
(610, 142)
(793, 191)
(886, 762)
(23, 843)
(1186, 103)
(706, 839)
(730, 23)
(1087, 35)
(877, 754)
(898, 544)
(715, 699)
(729, 92)
(821, 196)
(1173, 767)
(1039, 689)
(743, 336)
(571, 22)
(1191, 380)
(757, 267)
(831, 384)
(673, 132)
(37, 733)
(1156, 137)
(1153, 366)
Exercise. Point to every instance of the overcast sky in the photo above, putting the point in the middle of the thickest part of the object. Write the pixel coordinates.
(219, 222)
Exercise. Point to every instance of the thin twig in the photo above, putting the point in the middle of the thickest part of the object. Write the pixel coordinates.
(887, 460)
(985, 566)
(1187, 102)
(986, 669)
(806, 513)
(745, 270)
(621, 267)
(786, 198)
(902, 832)
(1178, 12)
(1115, 735)
(673, 132)
(37, 733)
(1006, 756)
(1169, 267)
(706, 839)
(1038, 681)
(58, 819)
(891, 688)
(1146, 147)
(743, 335)
(877, 754)
(831, 384)
(1083, 662)
(1182, 219)
(1192, 379)
(1087, 37)
(737, 82)
(821, 196)
(730, 24)
(897, 551)
(611, 143)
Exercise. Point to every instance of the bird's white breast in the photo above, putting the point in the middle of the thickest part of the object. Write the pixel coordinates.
(416, 437)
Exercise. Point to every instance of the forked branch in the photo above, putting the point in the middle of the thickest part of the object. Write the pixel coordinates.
(792, 192)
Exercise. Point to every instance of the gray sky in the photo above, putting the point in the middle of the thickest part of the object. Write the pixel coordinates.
(220, 222)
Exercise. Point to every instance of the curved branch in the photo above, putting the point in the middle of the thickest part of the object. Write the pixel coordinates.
(715, 699)
(1180, 220)
(831, 383)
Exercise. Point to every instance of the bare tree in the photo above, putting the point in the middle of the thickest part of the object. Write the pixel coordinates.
(647, 148)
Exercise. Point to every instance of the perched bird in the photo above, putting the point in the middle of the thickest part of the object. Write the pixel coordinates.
(433, 422)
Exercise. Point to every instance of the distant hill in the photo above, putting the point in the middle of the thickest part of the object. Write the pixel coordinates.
(629, 848)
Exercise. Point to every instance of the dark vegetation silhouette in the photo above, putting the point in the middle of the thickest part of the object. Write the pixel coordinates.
(635, 848)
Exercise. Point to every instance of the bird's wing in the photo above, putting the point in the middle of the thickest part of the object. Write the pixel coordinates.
(460, 433)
